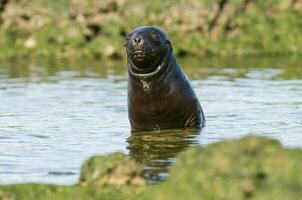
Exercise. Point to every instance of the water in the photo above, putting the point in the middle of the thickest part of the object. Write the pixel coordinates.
(54, 114)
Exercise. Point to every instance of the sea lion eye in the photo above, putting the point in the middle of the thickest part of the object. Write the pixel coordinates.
(155, 36)
(128, 37)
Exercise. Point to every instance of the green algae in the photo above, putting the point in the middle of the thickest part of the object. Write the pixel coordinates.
(250, 168)
(115, 176)
(51, 192)
(97, 29)
(114, 169)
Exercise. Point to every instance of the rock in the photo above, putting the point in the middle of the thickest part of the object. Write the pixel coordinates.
(113, 169)
(6, 196)
(111, 52)
(254, 168)
(30, 43)
(249, 168)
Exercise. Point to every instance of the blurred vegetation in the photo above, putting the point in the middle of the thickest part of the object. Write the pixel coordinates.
(97, 28)
(112, 177)
(253, 168)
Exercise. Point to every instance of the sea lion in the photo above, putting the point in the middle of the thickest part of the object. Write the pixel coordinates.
(159, 93)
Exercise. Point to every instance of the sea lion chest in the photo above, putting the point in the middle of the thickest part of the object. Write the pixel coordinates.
(166, 101)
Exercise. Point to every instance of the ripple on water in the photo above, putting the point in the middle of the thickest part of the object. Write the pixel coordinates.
(50, 124)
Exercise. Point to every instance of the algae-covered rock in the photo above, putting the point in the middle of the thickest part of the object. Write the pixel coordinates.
(114, 176)
(68, 28)
(113, 169)
(75, 192)
(250, 168)
(253, 168)
(6, 196)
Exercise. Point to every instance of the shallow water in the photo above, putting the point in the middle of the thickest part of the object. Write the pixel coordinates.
(54, 114)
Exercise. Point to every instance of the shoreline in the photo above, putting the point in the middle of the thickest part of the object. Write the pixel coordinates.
(197, 28)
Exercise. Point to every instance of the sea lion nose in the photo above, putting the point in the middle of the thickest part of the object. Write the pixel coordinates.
(138, 40)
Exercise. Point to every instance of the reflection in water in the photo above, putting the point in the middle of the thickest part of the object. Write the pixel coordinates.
(284, 67)
(45, 69)
(54, 109)
(157, 150)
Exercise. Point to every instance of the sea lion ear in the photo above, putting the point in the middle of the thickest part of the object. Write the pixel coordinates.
(168, 42)
(127, 38)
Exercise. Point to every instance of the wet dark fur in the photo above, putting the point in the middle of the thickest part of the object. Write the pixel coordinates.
(159, 93)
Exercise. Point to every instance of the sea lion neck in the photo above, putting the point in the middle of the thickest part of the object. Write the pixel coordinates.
(159, 69)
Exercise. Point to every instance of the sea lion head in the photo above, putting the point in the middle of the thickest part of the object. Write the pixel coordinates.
(146, 47)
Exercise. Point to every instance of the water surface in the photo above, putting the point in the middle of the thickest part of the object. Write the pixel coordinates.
(54, 114)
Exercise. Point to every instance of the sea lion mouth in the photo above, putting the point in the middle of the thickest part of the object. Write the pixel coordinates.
(139, 55)
(150, 71)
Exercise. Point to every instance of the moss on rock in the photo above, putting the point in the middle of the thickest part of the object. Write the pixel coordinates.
(114, 169)
(97, 28)
(250, 168)
(115, 176)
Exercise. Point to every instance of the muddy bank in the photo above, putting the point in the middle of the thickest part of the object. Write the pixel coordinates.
(249, 168)
(97, 29)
